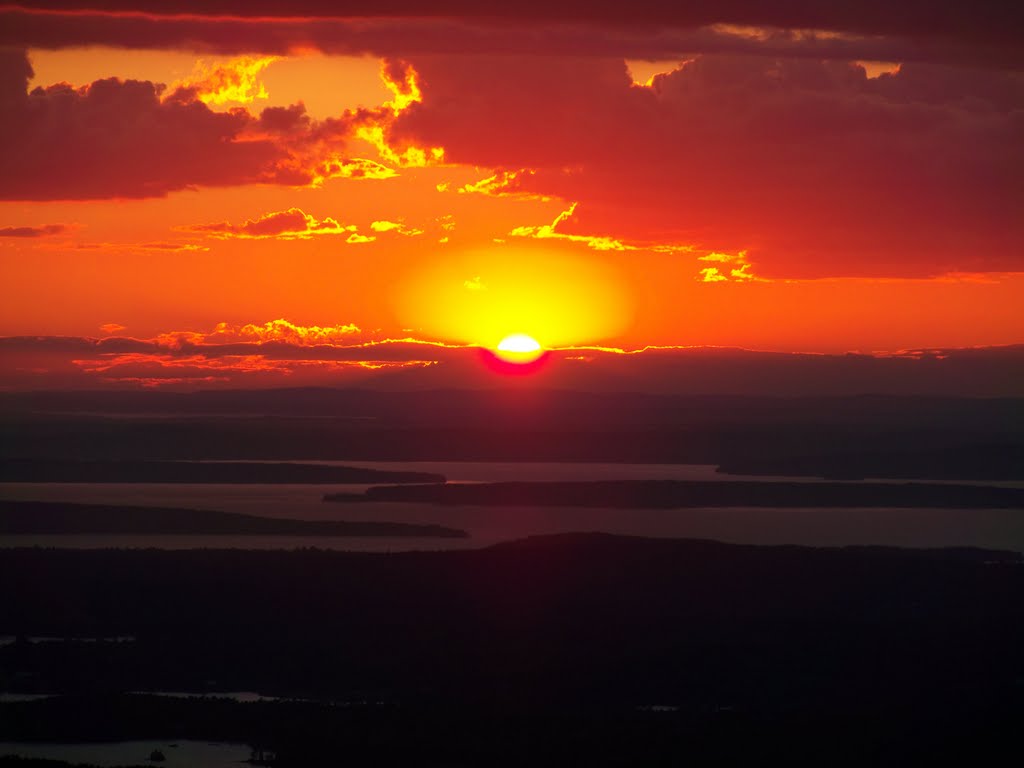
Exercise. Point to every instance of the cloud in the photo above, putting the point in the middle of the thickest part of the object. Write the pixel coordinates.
(548, 232)
(43, 231)
(397, 227)
(354, 168)
(255, 354)
(945, 30)
(155, 370)
(117, 138)
(136, 139)
(731, 267)
(711, 275)
(812, 167)
(235, 81)
(374, 126)
(273, 330)
(157, 246)
(502, 184)
(281, 353)
(599, 242)
(293, 224)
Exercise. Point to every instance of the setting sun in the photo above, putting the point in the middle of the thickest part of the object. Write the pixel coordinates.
(519, 348)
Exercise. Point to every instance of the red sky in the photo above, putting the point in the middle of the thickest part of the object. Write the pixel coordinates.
(306, 185)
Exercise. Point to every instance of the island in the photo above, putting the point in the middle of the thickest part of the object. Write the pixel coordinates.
(48, 518)
(134, 471)
(674, 494)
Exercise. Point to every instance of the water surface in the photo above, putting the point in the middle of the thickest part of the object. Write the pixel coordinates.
(186, 754)
(999, 529)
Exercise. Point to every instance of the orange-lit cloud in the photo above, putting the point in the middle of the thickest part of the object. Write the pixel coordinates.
(154, 370)
(156, 246)
(273, 330)
(597, 242)
(351, 168)
(293, 224)
(643, 73)
(395, 226)
(252, 354)
(502, 184)
(548, 232)
(374, 126)
(711, 275)
(733, 267)
(874, 69)
(235, 81)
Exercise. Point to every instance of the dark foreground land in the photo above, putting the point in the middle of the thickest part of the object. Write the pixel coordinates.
(574, 650)
(675, 494)
(44, 517)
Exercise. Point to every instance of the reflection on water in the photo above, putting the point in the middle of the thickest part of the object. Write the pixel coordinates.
(15, 698)
(186, 754)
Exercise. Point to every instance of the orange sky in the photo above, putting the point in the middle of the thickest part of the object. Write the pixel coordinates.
(598, 200)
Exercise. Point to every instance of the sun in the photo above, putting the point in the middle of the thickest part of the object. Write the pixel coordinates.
(519, 348)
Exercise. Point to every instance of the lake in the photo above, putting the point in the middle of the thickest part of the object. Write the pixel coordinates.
(186, 754)
(1002, 529)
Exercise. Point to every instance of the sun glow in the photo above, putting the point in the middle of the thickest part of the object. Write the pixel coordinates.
(480, 297)
(519, 348)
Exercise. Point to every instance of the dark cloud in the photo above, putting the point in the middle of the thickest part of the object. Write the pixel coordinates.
(115, 138)
(43, 231)
(75, 362)
(811, 166)
(983, 19)
(660, 37)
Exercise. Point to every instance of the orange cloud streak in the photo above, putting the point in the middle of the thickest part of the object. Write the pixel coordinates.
(293, 224)
(235, 81)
